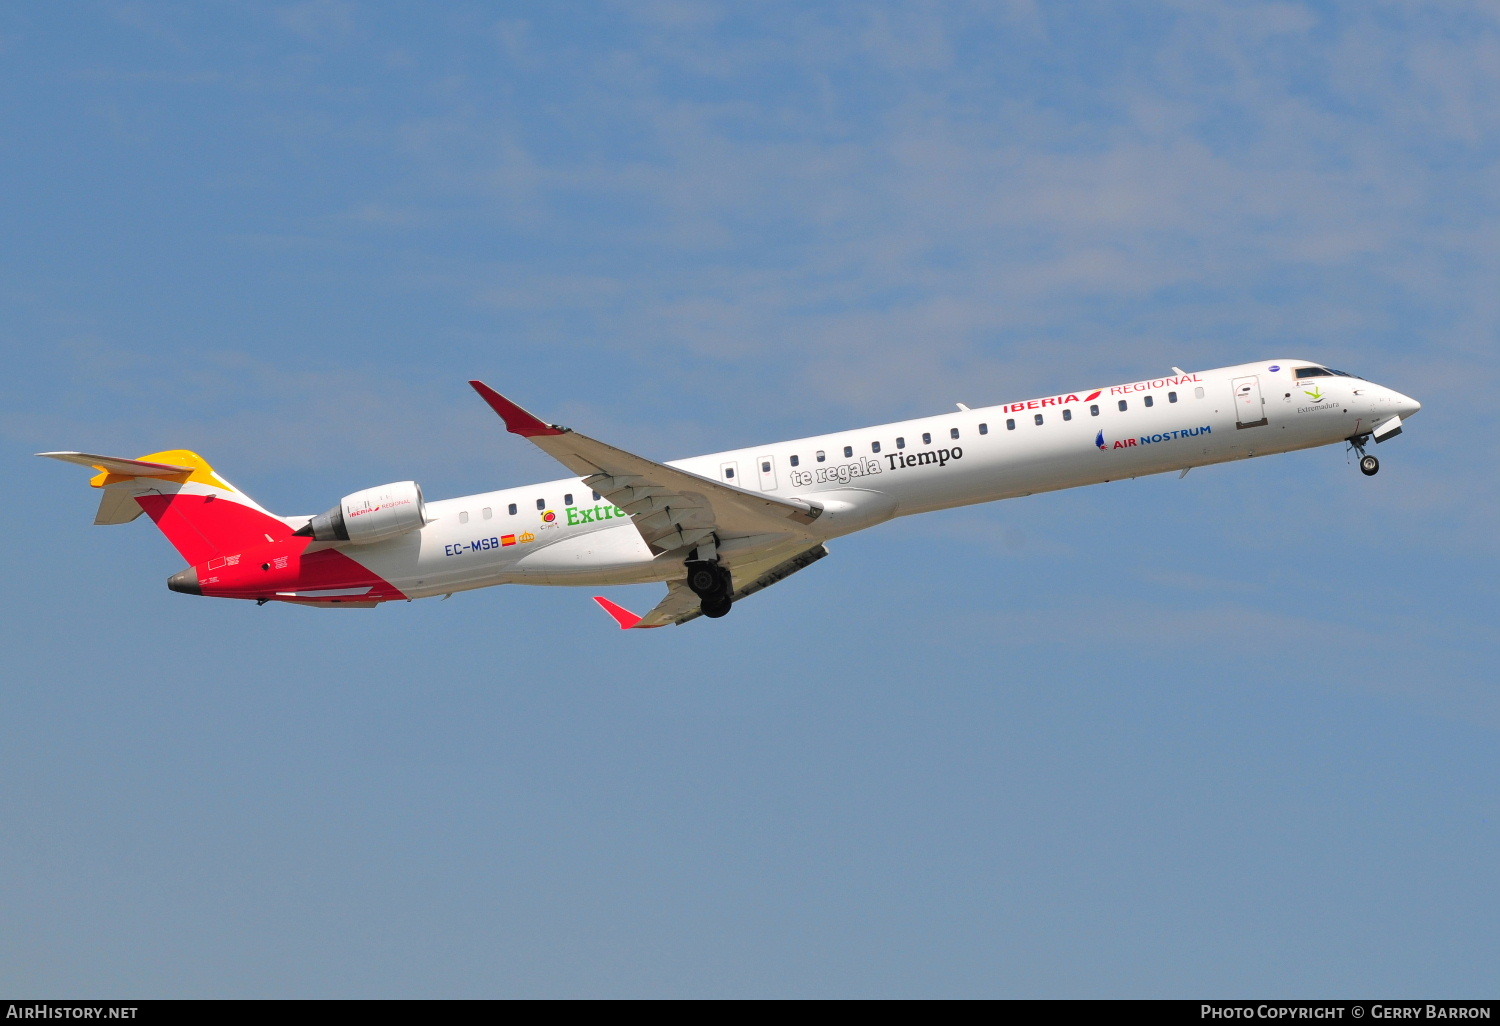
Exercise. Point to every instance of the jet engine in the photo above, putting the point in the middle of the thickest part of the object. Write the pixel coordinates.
(373, 515)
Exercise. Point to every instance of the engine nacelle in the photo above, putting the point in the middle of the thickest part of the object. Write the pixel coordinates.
(373, 515)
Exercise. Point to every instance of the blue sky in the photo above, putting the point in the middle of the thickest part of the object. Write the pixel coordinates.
(1227, 735)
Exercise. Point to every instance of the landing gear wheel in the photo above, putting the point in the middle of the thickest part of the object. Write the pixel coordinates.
(1369, 466)
(705, 579)
(713, 585)
(709, 580)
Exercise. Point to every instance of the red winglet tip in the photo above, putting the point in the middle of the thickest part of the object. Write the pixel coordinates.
(624, 617)
(517, 420)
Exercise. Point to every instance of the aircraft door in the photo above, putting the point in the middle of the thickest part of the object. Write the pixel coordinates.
(767, 467)
(1249, 407)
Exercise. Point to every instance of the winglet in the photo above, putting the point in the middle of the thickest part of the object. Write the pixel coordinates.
(517, 420)
(624, 617)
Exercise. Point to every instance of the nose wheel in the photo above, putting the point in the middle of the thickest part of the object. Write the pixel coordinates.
(713, 585)
(1368, 465)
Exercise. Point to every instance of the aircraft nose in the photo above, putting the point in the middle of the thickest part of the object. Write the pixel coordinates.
(1405, 404)
(185, 581)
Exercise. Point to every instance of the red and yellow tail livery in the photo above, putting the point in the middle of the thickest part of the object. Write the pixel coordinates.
(235, 547)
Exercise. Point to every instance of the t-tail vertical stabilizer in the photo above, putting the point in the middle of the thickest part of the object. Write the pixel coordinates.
(201, 514)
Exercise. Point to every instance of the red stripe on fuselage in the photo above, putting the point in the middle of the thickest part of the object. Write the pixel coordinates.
(287, 566)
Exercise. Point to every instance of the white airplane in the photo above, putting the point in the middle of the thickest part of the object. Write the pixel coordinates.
(719, 528)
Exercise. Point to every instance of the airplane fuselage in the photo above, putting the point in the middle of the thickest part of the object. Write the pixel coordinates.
(562, 532)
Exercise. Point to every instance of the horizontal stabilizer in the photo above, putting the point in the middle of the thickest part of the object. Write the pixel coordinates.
(201, 514)
(119, 465)
(116, 476)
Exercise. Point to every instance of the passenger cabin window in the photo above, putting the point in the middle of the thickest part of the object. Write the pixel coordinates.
(487, 513)
(1198, 392)
(596, 496)
(1171, 397)
(728, 473)
(1010, 424)
(463, 517)
(568, 499)
(1150, 401)
(953, 432)
(926, 438)
(1122, 405)
(1039, 419)
(511, 509)
(900, 442)
(765, 466)
(541, 504)
(848, 451)
(1094, 411)
(822, 456)
(984, 429)
(874, 446)
(1067, 414)
(795, 460)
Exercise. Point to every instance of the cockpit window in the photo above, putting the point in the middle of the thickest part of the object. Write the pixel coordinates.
(1324, 372)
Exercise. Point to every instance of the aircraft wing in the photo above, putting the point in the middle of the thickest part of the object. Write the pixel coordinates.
(681, 605)
(671, 508)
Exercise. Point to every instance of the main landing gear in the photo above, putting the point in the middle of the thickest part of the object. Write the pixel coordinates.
(1368, 465)
(713, 585)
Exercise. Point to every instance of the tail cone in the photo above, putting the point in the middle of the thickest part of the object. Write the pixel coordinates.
(185, 581)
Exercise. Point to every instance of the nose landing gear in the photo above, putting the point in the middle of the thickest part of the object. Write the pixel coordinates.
(713, 585)
(1368, 465)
